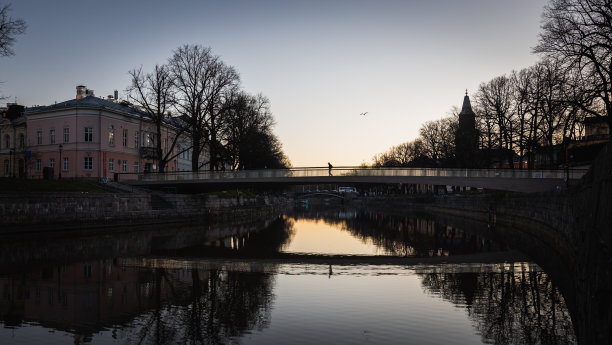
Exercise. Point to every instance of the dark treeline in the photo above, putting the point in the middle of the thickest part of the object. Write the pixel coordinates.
(535, 108)
(216, 122)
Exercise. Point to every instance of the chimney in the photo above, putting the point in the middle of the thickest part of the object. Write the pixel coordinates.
(116, 94)
(81, 91)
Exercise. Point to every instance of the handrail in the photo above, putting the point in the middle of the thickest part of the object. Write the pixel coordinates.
(572, 174)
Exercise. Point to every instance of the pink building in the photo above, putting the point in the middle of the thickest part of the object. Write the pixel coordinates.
(91, 137)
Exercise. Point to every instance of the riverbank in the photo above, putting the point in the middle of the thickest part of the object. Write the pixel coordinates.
(73, 210)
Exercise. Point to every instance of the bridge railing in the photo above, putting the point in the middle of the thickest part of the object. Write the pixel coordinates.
(572, 174)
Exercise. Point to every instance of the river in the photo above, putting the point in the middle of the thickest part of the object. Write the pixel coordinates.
(318, 275)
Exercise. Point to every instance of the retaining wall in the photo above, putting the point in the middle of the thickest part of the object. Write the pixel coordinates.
(103, 209)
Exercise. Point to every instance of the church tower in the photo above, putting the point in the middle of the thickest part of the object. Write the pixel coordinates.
(466, 137)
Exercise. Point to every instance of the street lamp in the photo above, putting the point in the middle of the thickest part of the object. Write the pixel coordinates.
(59, 176)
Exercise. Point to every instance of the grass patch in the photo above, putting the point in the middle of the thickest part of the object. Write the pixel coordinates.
(13, 185)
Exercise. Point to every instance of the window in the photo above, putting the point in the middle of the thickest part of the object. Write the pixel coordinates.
(136, 139)
(7, 141)
(38, 165)
(124, 168)
(88, 163)
(149, 139)
(21, 141)
(111, 135)
(88, 134)
(52, 162)
(125, 138)
(111, 164)
(65, 164)
(52, 136)
(66, 134)
(6, 167)
(136, 167)
(39, 137)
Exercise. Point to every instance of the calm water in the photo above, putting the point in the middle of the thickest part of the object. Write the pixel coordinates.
(326, 277)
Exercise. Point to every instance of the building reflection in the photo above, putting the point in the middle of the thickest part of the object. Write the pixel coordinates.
(147, 304)
(158, 300)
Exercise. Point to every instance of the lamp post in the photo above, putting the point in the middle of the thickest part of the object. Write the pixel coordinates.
(59, 176)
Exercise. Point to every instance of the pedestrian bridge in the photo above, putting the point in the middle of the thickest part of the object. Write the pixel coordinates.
(498, 179)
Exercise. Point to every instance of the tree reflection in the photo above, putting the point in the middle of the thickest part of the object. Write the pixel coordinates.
(164, 303)
(412, 235)
(516, 305)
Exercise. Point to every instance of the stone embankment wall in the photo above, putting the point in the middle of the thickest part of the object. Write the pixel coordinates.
(79, 209)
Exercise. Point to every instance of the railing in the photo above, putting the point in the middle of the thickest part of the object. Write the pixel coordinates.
(572, 174)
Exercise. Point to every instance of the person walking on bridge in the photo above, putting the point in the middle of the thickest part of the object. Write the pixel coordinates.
(330, 168)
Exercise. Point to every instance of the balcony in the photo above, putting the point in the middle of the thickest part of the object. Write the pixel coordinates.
(148, 152)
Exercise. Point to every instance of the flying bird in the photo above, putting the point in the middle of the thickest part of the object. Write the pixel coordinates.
(363, 113)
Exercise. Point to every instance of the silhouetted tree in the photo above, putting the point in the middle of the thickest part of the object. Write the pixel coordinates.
(9, 29)
(201, 80)
(154, 94)
(578, 33)
(247, 133)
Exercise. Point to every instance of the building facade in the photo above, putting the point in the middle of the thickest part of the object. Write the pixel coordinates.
(13, 142)
(91, 137)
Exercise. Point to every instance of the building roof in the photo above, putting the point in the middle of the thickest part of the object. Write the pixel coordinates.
(466, 109)
(90, 102)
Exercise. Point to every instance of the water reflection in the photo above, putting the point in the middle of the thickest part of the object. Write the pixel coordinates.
(517, 305)
(358, 232)
(241, 286)
(140, 304)
(173, 301)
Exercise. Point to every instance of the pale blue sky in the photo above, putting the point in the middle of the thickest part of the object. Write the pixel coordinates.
(321, 63)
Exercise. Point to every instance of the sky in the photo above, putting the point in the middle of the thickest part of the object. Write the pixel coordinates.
(320, 63)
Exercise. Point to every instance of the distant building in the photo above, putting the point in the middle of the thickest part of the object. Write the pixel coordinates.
(466, 137)
(91, 137)
(13, 143)
(596, 128)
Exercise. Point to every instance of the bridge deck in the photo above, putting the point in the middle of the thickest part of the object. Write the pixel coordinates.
(500, 179)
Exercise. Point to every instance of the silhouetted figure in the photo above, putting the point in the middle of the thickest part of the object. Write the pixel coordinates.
(330, 271)
(330, 168)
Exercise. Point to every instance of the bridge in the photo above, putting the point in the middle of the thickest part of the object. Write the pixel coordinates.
(497, 179)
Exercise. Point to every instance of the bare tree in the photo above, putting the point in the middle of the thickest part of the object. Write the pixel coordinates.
(154, 93)
(495, 99)
(201, 79)
(521, 88)
(579, 34)
(9, 29)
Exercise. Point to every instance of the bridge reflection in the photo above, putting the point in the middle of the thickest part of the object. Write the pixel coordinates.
(186, 299)
(502, 179)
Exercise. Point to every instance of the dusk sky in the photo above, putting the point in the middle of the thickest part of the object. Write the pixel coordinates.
(321, 63)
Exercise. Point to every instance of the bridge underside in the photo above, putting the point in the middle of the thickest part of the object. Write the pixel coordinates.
(524, 185)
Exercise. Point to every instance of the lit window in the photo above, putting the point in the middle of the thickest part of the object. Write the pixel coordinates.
(111, 135)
